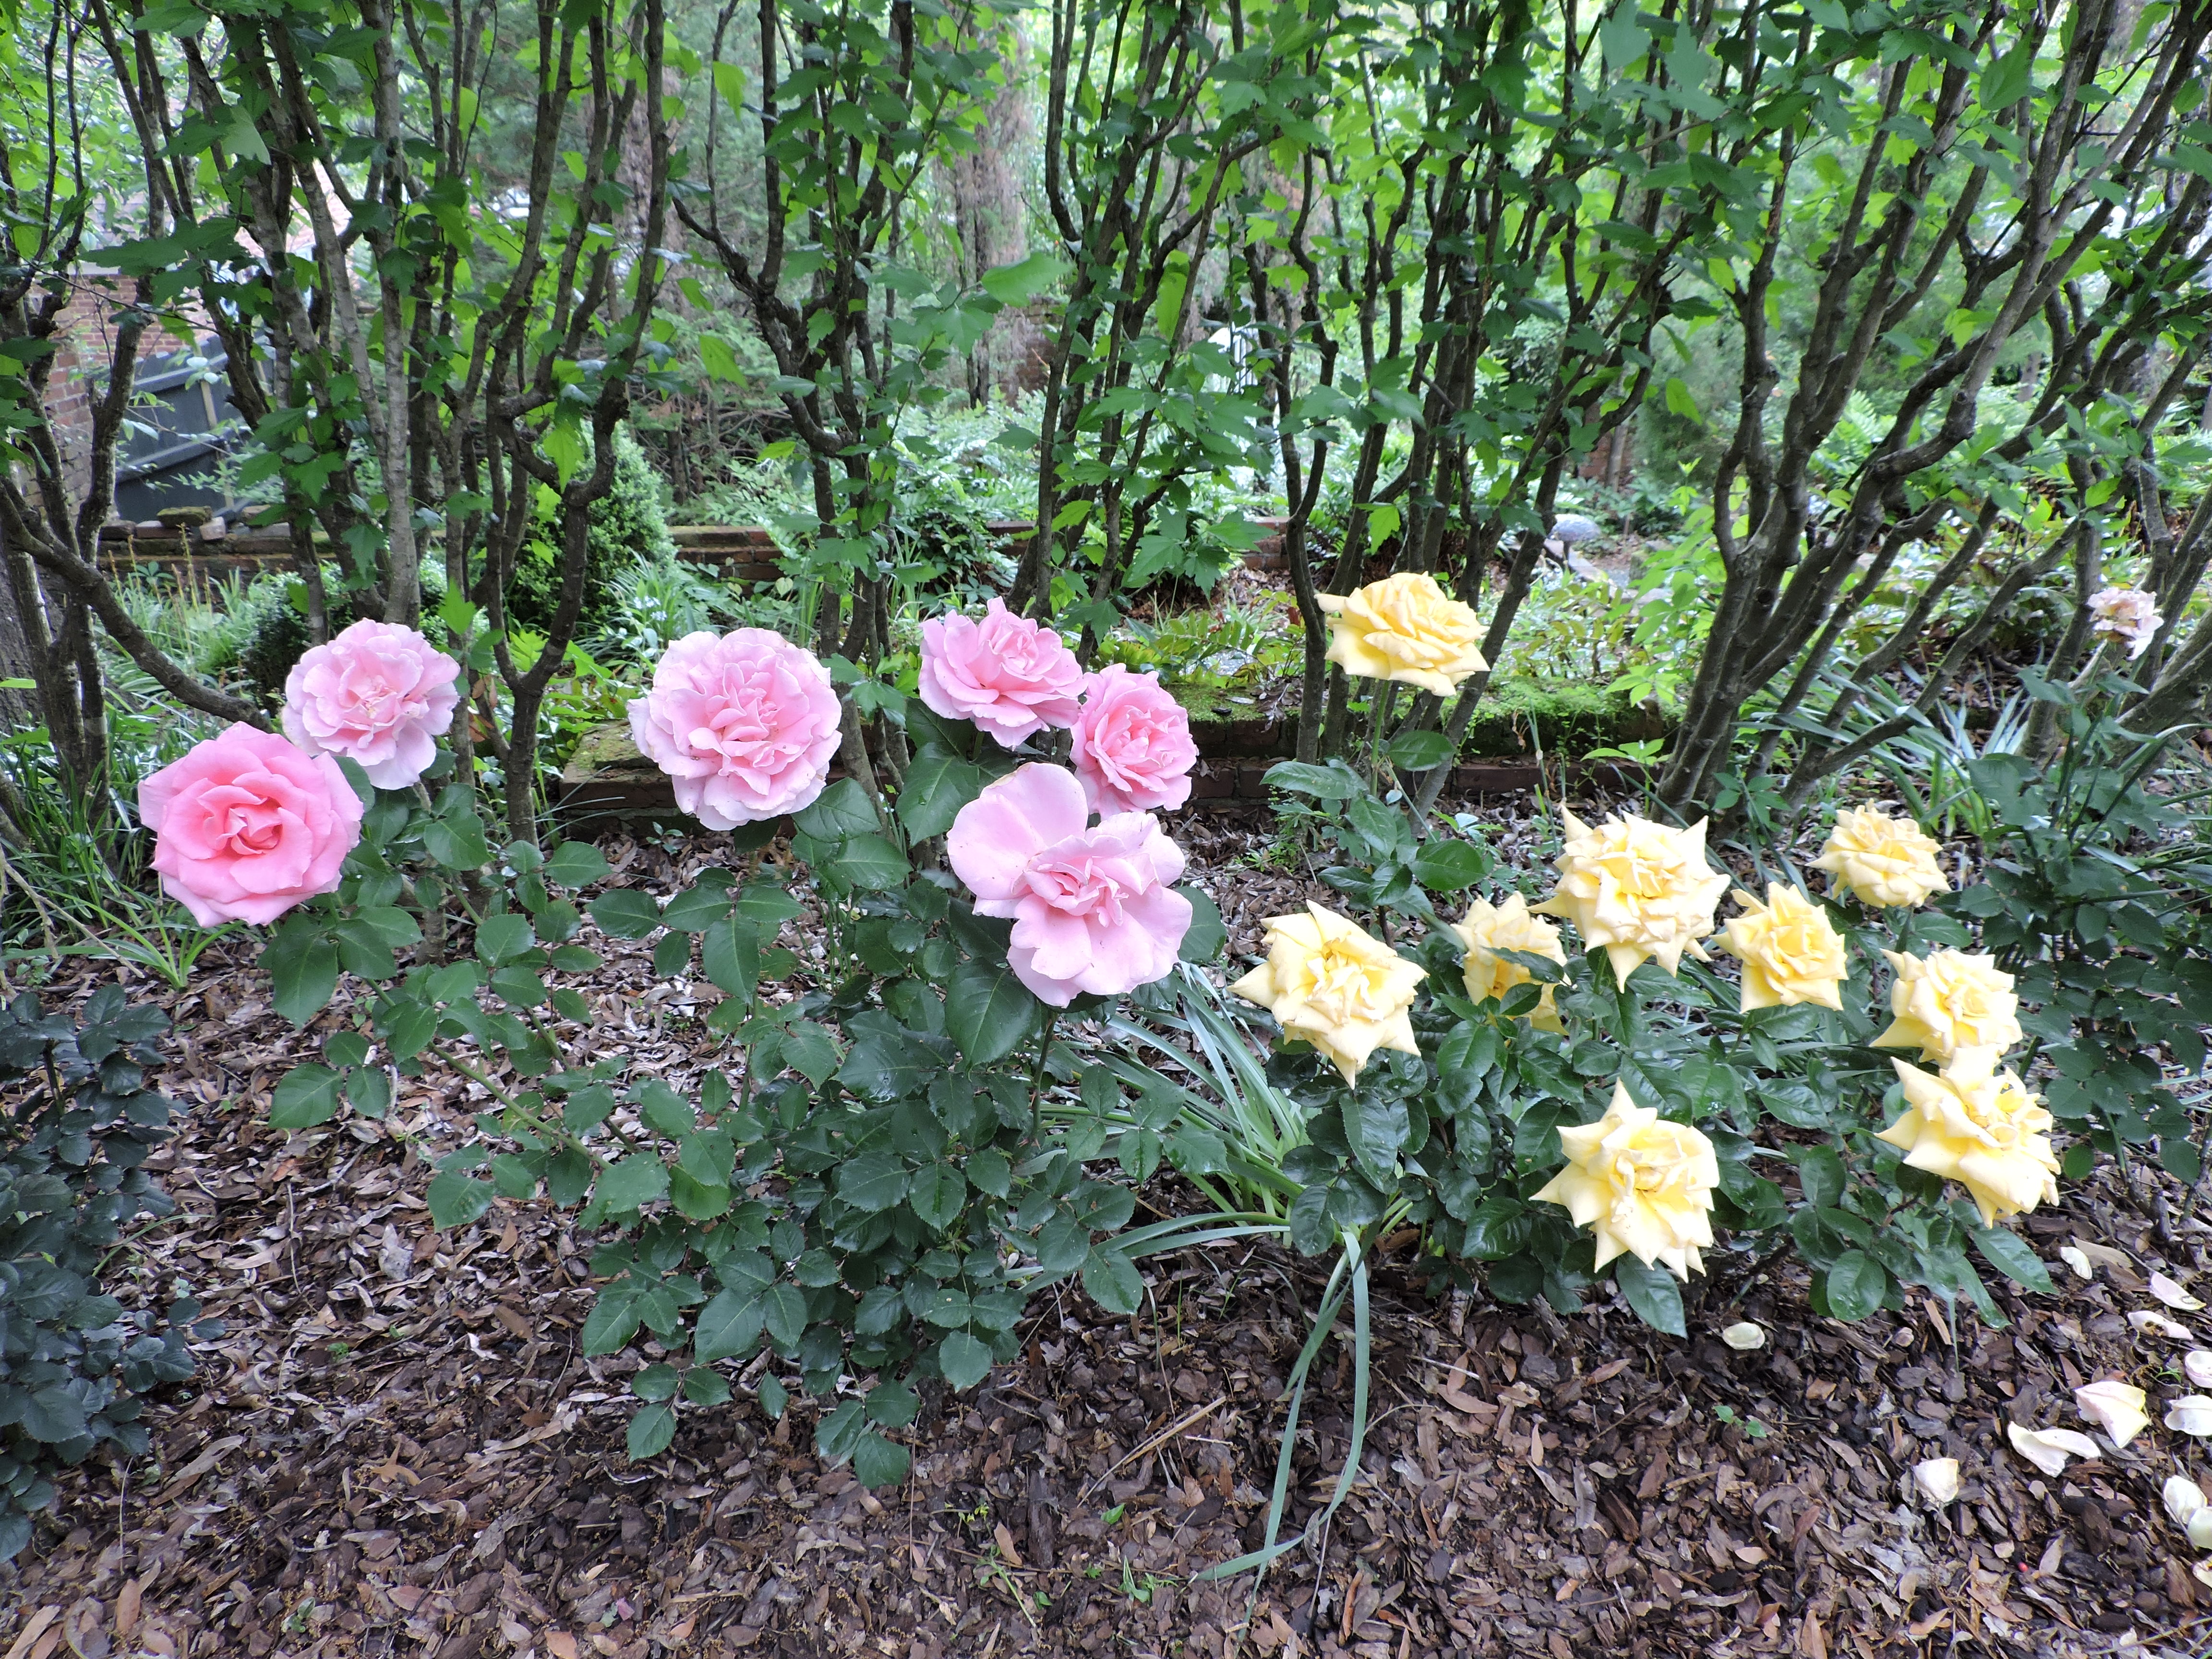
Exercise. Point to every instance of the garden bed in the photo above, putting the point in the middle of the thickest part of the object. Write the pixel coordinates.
(397, 1447)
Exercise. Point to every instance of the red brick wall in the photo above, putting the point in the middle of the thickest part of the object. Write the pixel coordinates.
(84, 352)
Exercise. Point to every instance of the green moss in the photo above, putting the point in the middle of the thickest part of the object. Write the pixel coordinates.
(1517, 716)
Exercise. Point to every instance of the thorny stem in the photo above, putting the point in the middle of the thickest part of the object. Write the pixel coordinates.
(1037, 1077)
(552, 1127)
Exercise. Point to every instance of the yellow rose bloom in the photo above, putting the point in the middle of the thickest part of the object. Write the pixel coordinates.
(1490, 928)
(1405, 628)
(1980, 1128)
(1886, 862)
(1643, 1185)
(1789, 952)
(1330, 984)
(1949, 1002)
(1638, 889)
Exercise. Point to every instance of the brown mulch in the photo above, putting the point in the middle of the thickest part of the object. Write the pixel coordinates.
(398, 1448)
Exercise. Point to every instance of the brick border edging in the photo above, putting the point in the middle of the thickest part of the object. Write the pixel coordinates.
(1215, 785)
(740, 553)
(1225, 782)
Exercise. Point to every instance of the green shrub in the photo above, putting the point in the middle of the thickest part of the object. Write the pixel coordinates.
(76, 1127)
(274, 636)
(874, 1191)
(1462, 1138)
(628, 524)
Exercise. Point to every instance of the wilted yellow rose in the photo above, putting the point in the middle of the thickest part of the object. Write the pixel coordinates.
(1643, 1185)
(1886, 861)
(1405, 628)
(1330, 984)
(1979, 1127)
(1490, 928)
(1789, 952)
(1950, 1001)
(1638, 889)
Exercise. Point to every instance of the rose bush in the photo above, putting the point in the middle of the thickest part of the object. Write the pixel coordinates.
(743, 723)
(248, 824)
(887, 1157)
(1132, 748)
(378, 694)
(1620, 1107)
(1009, 675)
(861, 1182)
(1406, 628)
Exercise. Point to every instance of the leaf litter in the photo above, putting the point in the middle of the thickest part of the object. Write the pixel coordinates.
(398, 1448)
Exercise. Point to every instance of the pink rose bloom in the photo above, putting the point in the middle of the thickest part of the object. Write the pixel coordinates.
(1094, 910)
(1010, 676)
(378, 693)
(1133, 747)
(246, 825)
(745, 723)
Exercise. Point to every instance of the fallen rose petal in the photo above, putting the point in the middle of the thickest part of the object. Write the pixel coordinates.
(2201, 1571)
(2200, 1533)
(1937, 1479)
(2197, 1365)
(2049, 1449)
(2159, 1325)
(2167, 1291)
(1744, 1336)
(2191, 1414)
(2079, 1262)
(2115, 1407)
(2183, 1499)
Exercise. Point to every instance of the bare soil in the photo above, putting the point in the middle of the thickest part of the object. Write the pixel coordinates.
(398, 1448)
